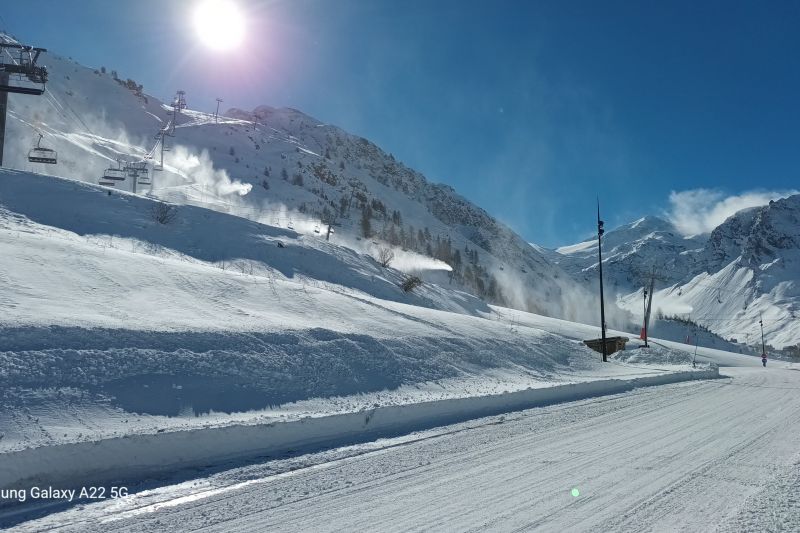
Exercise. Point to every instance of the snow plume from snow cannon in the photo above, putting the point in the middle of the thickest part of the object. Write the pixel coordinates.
(199, 169)
(697, 211)
(410, 262)
(567, 301)
(406, 261)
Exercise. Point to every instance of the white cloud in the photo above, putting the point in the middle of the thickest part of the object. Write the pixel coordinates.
(701, 210)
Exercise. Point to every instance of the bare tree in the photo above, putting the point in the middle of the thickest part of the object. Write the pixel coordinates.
(385, 256)
(410, 283)
(163, 213)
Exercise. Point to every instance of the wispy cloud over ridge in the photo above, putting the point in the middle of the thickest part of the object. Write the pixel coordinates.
(696, 211)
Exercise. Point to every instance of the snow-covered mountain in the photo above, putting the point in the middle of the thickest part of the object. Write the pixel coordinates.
(631, 251)
(745, 269)
(289, 170)
(284, 168)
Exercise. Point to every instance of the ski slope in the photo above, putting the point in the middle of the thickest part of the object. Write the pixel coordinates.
(698, 456)
(117, 325)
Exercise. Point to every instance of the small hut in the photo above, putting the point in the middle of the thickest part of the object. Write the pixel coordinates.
(613, 344)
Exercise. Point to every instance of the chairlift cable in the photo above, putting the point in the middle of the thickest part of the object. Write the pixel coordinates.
(88, 130)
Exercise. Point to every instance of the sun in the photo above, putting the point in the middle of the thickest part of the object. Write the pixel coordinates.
(219, 24)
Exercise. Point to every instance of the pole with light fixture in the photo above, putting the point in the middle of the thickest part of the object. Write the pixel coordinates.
(600, 232)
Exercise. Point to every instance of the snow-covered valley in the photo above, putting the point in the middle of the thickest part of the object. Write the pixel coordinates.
(283, 288)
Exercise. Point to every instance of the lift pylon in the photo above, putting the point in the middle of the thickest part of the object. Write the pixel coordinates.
(22, 68)
(16, 76)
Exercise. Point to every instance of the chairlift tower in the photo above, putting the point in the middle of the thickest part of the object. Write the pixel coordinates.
(180, 100)
(161, 138)
(178, 103)
(216, 113)
(20, 76)
(138, 173)
(648, 300)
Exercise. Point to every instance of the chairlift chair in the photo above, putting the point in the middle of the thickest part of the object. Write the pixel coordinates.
(106, 183)
(114, 174)
(39, 154)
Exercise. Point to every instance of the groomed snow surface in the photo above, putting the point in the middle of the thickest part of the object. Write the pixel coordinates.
(141, 353)
(693, 456)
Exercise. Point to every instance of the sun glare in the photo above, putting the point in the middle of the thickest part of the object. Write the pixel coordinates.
(219, 24)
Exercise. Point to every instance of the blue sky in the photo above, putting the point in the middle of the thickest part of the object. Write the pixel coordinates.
(529, 109)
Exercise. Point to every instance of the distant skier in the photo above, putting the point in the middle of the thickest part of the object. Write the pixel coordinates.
(764, 360)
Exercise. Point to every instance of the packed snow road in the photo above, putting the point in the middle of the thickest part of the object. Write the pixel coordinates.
(694, 456)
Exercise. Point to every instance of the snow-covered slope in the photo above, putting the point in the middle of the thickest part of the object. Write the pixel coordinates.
(115, 322)
(726, 281)
(287, 169)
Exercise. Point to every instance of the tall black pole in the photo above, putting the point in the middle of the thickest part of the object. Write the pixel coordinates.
(600, 232)
(644, 308)
(763, 347)
(3, 107)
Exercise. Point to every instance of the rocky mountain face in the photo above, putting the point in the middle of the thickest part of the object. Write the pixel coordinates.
(764, 237)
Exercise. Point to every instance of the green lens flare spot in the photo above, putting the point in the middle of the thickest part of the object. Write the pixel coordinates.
(575, 493)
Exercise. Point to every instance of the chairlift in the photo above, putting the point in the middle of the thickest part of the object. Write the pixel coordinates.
(22, 68)
(39, 154)
(114, 174)
(290, 225)
(137, 171)
(106, 183)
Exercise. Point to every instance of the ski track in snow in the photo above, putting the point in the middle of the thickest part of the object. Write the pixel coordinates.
(684, 457)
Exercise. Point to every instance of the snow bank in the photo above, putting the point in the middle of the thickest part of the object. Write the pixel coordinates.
(654, 354)
(138, 456)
